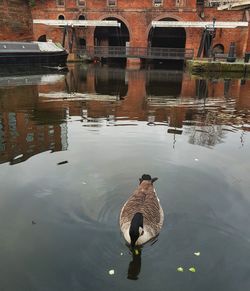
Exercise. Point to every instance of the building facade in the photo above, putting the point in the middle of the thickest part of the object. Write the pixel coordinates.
(135, 18)
(136, 23)
(15, 20)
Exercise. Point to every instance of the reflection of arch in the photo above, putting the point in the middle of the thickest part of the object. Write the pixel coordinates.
(164, 83)
(218, 49)
(82, 42)
(42, 38)
(168, 37)
(80, 39)
(61, 17)
(112, 36)
(111, 82)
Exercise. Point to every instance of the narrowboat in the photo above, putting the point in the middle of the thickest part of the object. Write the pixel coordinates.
(48, 53)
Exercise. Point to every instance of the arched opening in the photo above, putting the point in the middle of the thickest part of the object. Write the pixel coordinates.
(218, 49)
(81, 17)
(81, 34)
(61, 17)
(42, 38)
(111, 36)
(167, 37)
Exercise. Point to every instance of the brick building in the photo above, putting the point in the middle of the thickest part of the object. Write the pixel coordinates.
(136, 23)
(15, 20)
(135, 18)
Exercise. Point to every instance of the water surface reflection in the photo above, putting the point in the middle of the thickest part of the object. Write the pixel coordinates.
(34, 117)
(76, 142)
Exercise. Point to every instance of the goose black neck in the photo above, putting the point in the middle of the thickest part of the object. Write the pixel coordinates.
(137, 221)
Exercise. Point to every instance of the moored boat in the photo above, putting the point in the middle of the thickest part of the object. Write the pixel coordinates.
(32, 53)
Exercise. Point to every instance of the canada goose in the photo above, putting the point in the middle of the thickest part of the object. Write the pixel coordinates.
(141, 216)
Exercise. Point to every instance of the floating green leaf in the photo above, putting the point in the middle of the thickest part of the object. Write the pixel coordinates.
(192, 269)
(197, 254)
(180, 269)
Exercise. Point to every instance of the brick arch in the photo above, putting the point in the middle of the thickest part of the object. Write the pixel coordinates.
(61, 14)
(80, 14)
(218, 47)
(119, 17)
(171, 16)
(166, 15)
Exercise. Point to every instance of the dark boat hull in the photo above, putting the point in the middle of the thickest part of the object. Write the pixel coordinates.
(43, 58)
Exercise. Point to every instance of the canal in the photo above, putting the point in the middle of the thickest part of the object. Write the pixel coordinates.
(73, 145)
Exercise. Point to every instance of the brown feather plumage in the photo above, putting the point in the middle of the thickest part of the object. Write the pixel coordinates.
(145, 201)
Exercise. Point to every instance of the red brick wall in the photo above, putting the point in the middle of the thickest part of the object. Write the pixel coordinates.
(15, 20)
(225, 36)
(137, 16)
(248, 39)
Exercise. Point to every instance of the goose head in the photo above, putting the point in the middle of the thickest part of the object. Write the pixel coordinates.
(136, 228)
(146, 177)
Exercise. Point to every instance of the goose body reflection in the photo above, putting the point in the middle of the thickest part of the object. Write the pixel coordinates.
(142, 216)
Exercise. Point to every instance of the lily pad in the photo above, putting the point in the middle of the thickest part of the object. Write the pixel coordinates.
(192, 269)
(197, 254)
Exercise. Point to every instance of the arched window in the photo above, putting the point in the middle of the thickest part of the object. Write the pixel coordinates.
(42, 38)
(218, 49)
(61, 17)
(81, 17)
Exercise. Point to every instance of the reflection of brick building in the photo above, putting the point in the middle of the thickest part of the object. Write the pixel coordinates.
(31, 123)
(138, 100)
(21, 138)
(22, 133)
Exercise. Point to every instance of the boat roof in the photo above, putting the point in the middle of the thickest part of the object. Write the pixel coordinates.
(28, 47)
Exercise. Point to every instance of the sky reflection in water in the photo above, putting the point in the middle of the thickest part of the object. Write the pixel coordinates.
(72, 148)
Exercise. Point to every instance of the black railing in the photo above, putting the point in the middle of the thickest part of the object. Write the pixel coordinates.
(136, 52)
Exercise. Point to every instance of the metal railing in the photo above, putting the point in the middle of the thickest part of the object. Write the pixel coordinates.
(136, 52)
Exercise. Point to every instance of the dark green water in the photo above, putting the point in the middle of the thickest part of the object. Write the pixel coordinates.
(72, 148)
